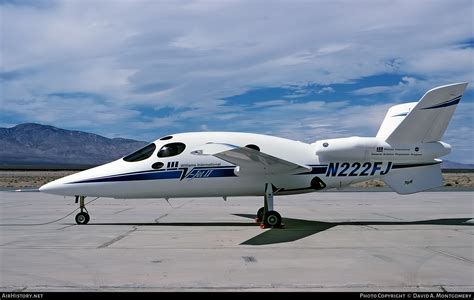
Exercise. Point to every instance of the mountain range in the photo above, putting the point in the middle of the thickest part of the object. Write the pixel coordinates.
(33, 145)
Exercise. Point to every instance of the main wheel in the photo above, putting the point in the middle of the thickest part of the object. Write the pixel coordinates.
(260, 213)
(82, 218)
(272, 219)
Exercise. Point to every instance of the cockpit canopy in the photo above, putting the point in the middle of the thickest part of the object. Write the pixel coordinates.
(168, 150)
(141, 154)
(171, 149)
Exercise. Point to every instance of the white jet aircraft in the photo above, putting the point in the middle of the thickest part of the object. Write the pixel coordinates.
(404, 154)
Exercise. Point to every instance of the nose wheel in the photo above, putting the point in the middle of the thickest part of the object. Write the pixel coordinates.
(266, 216)
(83, 217)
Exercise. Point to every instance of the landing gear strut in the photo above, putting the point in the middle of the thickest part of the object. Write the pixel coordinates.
(266, 215)
(82, 217)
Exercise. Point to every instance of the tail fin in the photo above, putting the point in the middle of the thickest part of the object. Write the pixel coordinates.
(423, 121)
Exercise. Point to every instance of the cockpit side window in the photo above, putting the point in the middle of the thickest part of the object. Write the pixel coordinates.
(141, 154)
(171, 149)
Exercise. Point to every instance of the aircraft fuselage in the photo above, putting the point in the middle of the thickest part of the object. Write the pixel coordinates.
(189, 175)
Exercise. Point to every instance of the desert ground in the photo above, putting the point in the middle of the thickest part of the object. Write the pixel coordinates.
(34, 179)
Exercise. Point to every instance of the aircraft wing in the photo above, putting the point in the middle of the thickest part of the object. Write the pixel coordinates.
(250, 161)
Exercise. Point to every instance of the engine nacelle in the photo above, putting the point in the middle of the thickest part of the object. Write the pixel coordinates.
(354, 148)
(372, 148)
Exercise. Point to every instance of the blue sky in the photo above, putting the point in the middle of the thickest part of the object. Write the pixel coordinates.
(304, 70)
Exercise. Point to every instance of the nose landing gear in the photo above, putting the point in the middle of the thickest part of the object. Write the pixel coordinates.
(83, 217)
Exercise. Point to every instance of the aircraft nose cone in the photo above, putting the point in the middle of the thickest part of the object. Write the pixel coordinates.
(51, 187)
(56, 187)
(66, 186)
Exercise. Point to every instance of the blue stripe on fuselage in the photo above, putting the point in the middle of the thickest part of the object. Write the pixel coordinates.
(175, 174)
(162, 174)
(222, 173)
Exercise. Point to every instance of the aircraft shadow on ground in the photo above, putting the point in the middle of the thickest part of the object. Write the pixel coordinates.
(184, 224)
(296, 229)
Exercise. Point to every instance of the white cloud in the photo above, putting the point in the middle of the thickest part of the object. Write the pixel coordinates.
(271, 103)
(326, 89)
(404, 85)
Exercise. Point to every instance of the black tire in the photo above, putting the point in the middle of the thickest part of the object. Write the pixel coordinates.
(272, 219)
(260, 213)
(82, 218)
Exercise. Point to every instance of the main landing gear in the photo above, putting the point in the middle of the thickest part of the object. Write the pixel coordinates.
(82, 217)
(266, 216)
